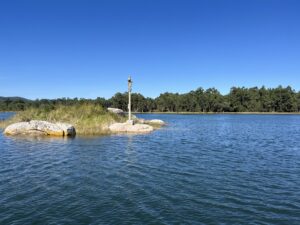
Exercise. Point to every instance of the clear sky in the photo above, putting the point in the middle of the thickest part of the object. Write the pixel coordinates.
(60, 48)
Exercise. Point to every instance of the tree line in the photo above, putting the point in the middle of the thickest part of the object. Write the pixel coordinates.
(239, 99)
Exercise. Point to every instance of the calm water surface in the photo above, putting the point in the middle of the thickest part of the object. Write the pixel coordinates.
(200, 169)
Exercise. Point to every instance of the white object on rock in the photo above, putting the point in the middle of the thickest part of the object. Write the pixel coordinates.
(37, 127)
(130, 122)
(128, 128)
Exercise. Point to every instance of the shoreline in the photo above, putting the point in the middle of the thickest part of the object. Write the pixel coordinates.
(221, 113)
(205, 113)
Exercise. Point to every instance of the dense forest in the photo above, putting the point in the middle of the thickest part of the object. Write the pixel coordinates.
(280, 99)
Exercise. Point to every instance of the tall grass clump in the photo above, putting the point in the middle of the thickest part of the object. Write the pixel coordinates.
(88, 119)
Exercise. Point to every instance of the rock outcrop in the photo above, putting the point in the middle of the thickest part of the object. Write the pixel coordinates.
(136, 125)
(37, 127)
(116, 111)
(129, 128)
(156, 122)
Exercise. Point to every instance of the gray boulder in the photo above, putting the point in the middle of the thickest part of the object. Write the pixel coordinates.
(156, 122)
(37, 127)
(116, 111)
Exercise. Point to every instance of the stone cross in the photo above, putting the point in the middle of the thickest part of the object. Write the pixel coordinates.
(129, 100)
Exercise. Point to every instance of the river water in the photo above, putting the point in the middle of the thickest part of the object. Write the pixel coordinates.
(199, 169)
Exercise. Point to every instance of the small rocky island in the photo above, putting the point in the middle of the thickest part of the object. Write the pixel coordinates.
(112, 121)
(83, 119)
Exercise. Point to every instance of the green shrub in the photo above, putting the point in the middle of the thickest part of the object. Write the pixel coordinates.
(88, 118)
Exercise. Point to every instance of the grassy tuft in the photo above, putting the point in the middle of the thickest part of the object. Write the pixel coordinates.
(88, 119)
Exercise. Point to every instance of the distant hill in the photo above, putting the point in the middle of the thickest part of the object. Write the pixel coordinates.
(15, 98)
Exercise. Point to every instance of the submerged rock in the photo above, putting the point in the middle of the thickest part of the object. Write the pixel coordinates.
(37, 127)
(129, 128)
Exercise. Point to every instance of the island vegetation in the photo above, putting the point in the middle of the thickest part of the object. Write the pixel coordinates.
(88, 118)
(239, 100)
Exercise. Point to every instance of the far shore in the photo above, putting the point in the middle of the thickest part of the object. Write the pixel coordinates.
(217, 113)
(204, 113)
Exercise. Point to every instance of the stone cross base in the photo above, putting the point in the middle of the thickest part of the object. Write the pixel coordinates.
(130, 122)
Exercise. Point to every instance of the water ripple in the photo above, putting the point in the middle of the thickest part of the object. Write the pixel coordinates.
(204, 169)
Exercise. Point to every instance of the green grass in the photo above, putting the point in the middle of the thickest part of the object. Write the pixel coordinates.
(88, 119)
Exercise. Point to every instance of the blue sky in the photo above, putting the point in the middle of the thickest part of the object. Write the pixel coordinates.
(59, 48)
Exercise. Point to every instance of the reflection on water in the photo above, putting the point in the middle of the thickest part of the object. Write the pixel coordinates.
(129, 151)
(213, 169)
